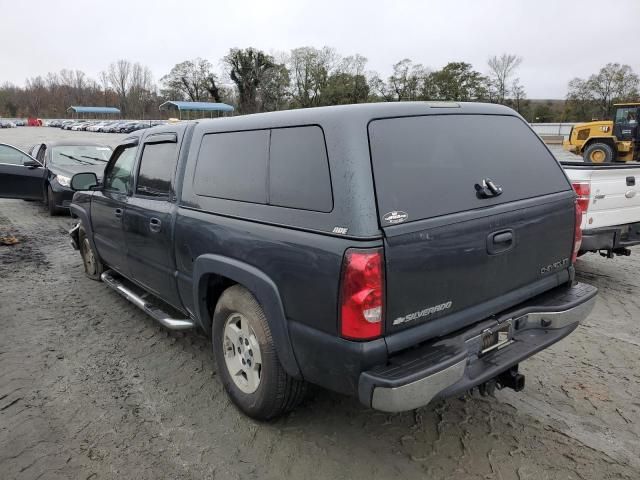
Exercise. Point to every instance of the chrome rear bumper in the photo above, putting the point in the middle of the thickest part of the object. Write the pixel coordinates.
(457, 363)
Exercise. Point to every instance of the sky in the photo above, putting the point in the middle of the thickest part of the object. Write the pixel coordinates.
(557, 39)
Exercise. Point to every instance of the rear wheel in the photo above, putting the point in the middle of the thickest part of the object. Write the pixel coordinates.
(598, 153)
(93, 267)
(246, 357)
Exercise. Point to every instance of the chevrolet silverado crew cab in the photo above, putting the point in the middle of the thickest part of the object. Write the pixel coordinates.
(361, 248)
(609, 199)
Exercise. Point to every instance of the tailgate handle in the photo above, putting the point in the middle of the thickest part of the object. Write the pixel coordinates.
(500, 242)
(504, 237)
(631, 181)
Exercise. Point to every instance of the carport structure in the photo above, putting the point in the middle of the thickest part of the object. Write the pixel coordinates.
(202, 107)
(105, 111)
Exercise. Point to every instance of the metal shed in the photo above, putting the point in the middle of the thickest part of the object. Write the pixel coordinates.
(196, 107)
(93, 110)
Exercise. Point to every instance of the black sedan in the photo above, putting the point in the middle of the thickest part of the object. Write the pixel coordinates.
(46, 173)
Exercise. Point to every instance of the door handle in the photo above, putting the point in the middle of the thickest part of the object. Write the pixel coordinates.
(505, 237)
(118, 212)
(155, 224)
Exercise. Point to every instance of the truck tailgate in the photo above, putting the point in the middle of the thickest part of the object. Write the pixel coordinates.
(614, 196)
(459, 270)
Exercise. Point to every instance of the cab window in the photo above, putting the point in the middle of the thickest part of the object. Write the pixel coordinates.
(627, 115)
(157, 166)
(118, 172)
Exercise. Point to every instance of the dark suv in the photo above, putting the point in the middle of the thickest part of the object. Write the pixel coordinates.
(395, 252)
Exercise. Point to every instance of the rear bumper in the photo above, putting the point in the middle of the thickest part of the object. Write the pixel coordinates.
(455, 364)
(609, 238)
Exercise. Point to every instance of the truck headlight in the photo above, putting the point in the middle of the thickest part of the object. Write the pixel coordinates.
(64, 181)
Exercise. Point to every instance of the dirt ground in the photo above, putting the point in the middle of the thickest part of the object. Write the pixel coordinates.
(92, 388)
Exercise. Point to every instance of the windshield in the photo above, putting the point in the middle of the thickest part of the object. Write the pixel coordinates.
(67, 155)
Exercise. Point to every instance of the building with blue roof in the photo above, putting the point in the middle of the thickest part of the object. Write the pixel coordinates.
(76, 109)
(202, 107)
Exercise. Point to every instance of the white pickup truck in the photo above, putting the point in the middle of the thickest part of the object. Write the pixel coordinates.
(609, 196)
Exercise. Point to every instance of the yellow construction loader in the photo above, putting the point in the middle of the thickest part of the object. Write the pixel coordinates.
(608, 141)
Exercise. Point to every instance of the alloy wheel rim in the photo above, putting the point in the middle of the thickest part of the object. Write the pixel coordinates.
(242, 353)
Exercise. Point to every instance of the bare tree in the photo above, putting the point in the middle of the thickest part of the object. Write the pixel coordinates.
(614, 82)
(191, 80)
(119, 75)
(594, 97)
(36, 92)
(132, 84)
(141, 89)
(579, 100)
(519, 95)
(248, 69)
(310, 69)
(501, 70)
(406, 82)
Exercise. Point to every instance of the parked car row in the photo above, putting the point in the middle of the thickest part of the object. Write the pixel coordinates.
(12, 123)
(104, 126)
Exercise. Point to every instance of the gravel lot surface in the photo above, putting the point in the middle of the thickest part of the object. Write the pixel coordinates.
(92, 388)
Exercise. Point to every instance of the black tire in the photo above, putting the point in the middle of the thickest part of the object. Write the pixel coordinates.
(93, 267)
(598, 153)
(51, 204)
(277, 392)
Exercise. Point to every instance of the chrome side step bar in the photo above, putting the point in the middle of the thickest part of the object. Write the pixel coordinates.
(150, 309)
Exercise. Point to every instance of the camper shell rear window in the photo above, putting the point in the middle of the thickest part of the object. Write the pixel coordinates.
(428, 166)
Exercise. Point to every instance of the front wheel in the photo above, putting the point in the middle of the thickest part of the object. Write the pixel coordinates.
(247, 361)
(93, 267)
(51, 203)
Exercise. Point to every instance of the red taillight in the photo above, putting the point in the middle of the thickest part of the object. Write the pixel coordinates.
(362, 294)
(577, 235)
(583, 191)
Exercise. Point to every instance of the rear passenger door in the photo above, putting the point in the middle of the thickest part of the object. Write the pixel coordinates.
(149, 218)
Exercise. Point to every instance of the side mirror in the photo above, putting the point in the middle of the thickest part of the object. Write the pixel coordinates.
(29, 162)
(84, 181)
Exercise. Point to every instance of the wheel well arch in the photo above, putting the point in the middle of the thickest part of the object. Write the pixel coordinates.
(215, 286)
(213, 274)
(606, 140)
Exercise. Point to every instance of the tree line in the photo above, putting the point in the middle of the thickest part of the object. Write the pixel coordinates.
(254, 81)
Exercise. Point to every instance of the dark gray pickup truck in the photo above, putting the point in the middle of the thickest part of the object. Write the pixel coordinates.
(399, 253)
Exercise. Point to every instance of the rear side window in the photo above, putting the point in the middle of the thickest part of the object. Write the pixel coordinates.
(157, 165)
(428, 166)
(286, 167)
(299, 169)
(233, 166)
